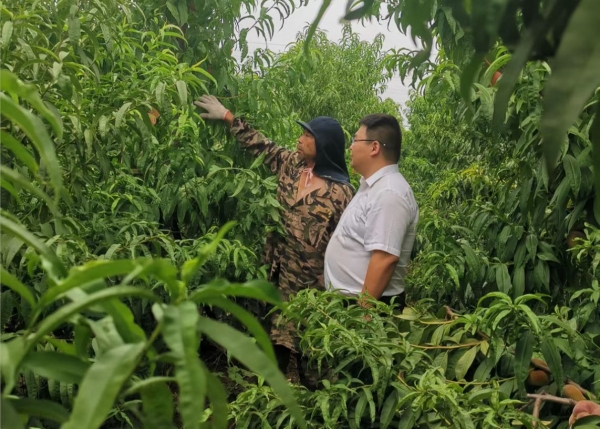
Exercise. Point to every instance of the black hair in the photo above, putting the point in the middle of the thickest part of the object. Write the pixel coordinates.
(386, 130)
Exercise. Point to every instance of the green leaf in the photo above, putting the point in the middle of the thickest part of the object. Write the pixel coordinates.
(359, 410)
(542, 273)
(120, 113)
(173, 9)
(106, 336)
(523, 354)
(33, 127)
(91, 272)
(573, 172)
(182, 91)
(472, 260)
(63, 314)
(503, 279)
(528, 40)
(249, 321)
(74, 30)
(29, 92)
(9, 417)
(485, 18)
(7, 279)
(83, 335)
(181, 335)
(313, 27)
(573, 80)
(532, 244)
(359, 12)
(56, 366)
(12, 144)
(518, 281)
(139, 385)
(7, 305)
(41, 408)
(56, 267)
(465, 362)
(552, 357)
(453, 274)
(191, 267)
(18, 178)
(587, 422)
(468, 76)
(157, 403)
(218, 401)
(257, 289)
(7, 30)
(244, 350)
(389, 409)
(101, 385)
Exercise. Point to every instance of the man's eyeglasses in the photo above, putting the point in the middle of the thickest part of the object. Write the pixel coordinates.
(366, 140)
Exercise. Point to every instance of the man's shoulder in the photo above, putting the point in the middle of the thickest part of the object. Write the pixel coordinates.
(394, 187)
(394, 182)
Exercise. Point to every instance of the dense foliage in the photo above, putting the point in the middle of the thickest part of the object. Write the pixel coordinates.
(117, 201)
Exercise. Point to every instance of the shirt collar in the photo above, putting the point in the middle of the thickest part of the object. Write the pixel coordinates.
(382, 172)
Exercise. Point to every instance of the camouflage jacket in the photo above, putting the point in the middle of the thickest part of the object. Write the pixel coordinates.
(297, 258)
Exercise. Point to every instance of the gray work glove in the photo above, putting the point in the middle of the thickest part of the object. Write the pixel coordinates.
(214, 109)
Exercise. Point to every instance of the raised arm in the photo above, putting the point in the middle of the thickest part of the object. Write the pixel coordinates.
(250, 139)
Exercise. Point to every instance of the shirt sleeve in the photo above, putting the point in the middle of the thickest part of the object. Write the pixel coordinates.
(387, 222)
(257, 144)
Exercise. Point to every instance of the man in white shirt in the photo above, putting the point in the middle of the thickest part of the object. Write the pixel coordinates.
(371, 246)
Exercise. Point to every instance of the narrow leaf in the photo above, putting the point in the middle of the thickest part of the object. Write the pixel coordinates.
(465, 362)
(157, 403)
(19, 231)
(523, 353)
(33, 127)
(12, 144)
(573, 172)
(181, 335)
(102, 384)
(9, 417)
(7, 279)
(249, 321)
(56, 366)
(574, 78)
(552, 357)
(244, 350)
(40, 408)
(257, 289)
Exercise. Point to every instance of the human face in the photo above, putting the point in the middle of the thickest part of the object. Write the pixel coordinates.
(361, 150)
(306, 146)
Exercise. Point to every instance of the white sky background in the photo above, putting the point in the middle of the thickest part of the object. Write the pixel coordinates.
(330, 23)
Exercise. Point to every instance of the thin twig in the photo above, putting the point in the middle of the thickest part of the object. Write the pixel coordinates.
(458, 346)
(482, 383)
(526, 405)
(552, 398)
(537, 407)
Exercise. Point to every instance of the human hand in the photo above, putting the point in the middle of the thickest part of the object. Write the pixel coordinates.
(214, 108)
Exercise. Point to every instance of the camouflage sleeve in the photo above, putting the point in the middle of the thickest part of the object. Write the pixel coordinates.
(257, 144)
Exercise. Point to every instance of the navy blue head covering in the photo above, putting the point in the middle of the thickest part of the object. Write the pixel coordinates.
(330, 162)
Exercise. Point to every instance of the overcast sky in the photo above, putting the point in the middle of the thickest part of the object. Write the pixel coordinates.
(330, 23)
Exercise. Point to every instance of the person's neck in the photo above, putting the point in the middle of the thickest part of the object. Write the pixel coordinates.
(310, 163)
(374, 168)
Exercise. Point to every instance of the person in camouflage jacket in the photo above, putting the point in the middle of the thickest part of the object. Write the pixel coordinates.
(314, 189)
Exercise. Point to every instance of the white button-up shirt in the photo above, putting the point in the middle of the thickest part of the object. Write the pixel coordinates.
(383, 215)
